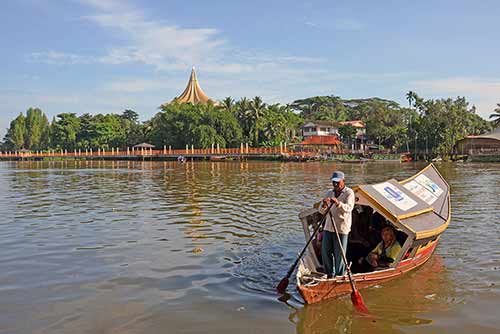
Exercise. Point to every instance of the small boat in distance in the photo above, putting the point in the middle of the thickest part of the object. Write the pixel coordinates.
(418, 208)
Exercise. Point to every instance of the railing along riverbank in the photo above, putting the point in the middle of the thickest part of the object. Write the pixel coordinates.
(150, 154)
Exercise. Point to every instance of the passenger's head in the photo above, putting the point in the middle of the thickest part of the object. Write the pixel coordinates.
(338, 180)
(388, 235)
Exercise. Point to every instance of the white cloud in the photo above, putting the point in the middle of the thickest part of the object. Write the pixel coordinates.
(106, 5)
(59, 58)
(484, 93)
(462, 86)
(156, 44)
(165, 46)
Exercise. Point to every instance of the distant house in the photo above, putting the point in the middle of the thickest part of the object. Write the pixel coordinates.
(487, 144)
(313, 129)
(359, 125)
(320, 128)
(329, 128)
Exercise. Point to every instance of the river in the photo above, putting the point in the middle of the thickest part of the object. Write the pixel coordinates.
(164, 247)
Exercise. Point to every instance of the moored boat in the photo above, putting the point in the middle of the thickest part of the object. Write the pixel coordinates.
(418, 209)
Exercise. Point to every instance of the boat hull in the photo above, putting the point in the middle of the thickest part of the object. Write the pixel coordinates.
(332, 288)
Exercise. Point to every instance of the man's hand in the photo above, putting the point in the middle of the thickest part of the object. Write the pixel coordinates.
(329, 200)
(373, 259)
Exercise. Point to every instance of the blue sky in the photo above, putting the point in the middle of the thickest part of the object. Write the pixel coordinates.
(104, 56)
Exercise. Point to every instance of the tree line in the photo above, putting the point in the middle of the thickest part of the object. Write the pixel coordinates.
(227, 124)
(433, 124)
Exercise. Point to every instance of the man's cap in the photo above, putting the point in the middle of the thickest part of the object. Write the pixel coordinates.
(337, 176)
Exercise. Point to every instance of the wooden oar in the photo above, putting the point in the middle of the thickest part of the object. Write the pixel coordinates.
(283, 284)
(356, 298)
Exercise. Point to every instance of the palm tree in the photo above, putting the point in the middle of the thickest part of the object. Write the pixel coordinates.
(496, 116)
(256, 111)
(228, 104)
(241, 109)
(411, 97)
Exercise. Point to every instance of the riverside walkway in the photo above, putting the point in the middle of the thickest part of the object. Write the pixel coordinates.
(150, 154)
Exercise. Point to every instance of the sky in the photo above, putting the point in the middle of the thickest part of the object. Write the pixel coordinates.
(105, 56)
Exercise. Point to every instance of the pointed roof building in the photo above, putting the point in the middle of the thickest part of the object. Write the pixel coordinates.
(193, 93)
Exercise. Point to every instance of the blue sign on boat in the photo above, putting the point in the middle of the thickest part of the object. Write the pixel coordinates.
(394, 194)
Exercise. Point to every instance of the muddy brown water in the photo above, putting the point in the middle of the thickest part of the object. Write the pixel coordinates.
(163, 247)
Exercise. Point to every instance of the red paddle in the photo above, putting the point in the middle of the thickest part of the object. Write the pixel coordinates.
(357, 300)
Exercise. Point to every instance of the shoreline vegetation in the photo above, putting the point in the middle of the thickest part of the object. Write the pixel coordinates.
(425, 128)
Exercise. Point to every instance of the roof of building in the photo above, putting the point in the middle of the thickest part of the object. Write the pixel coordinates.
(143, 145)
(193, 92)
(321, 140)
(495, 134)
(356, 123)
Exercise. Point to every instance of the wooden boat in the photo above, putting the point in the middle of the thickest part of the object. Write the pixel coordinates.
(405, 157)
(221, 157)
(355, 161)
(418, 208)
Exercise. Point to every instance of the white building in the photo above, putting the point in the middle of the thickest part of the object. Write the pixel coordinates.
(313, 129)
(329, 128)
(320, 128)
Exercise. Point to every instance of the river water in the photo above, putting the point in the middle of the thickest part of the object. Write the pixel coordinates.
(163, 247)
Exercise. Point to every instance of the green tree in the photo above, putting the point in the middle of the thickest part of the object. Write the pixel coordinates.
(130, 115)
(133, 130)
(495, 118)
(347, 132)
(37, 128)
(64, 131)
(254, 115)
(444, 121)
(228, 104)
(15, 137)
(205, 135)
(411, 97)
(293, 122)
(225, 125)
(199, 125)
(273, 124)
(385, 124)
(241, 111)
(328, 108)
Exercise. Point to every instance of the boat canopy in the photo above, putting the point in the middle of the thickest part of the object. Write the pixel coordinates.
(420, 204)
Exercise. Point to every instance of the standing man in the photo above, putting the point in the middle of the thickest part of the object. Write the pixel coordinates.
(342, 198)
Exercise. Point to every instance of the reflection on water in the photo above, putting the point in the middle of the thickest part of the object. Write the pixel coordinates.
(409, 301)
(132, 247)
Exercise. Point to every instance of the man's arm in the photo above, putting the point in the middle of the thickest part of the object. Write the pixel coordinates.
(348, 205)
(325, 202)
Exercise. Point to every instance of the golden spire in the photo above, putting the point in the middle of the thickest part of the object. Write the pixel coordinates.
(193, 92)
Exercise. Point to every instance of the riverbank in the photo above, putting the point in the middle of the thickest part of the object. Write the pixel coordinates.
(230, 154)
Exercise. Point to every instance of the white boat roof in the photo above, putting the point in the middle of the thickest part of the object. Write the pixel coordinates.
(420, 203)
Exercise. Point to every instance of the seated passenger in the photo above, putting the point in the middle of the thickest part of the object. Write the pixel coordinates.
(359, 242)
(386, 251)
(317, 246)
